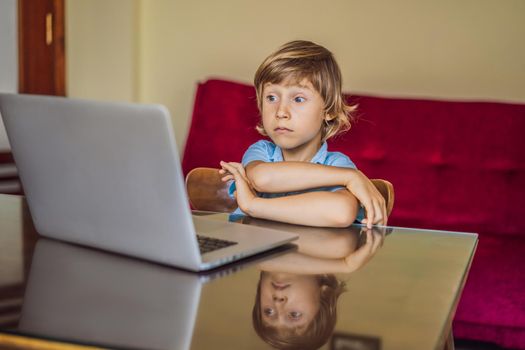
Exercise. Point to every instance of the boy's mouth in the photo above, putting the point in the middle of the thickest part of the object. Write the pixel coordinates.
(282, 130)
(280, 286)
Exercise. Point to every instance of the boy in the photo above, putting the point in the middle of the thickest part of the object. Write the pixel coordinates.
(294, 178)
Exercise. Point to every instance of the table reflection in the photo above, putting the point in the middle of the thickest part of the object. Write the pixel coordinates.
(84, 295)
(296, 300)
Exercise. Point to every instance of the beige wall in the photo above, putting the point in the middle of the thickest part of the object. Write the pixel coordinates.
(101, 49)
(157, 50)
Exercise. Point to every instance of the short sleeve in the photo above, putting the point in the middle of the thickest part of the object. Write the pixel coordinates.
(261, 150)
(340, 160)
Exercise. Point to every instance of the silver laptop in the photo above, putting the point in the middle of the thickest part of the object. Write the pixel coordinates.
(108, 175)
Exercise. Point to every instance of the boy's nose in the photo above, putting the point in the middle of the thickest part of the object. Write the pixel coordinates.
(279, 298)
(282, 112)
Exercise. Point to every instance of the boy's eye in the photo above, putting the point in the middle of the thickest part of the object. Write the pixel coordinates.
(299, 99)
(294, 315)
(269, 312)
(271, 98)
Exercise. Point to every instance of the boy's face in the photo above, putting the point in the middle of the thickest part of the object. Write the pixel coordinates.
(292, 116)
(289, 301)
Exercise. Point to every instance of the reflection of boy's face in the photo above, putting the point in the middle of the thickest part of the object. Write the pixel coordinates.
(289, 301)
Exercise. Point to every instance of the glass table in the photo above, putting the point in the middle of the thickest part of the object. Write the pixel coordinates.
(351, 288)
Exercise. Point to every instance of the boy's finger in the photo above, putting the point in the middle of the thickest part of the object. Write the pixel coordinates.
(370, 237)
(227, 178)
(366, 244)
(378, 240)
(378, 214)
(369, 214)
(229, 167)
(369, 217)
(239, 168)
(232, 168)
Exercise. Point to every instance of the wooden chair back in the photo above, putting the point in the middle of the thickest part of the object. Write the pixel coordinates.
(207, 192)
(387, 191)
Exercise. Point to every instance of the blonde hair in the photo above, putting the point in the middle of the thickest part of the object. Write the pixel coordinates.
(299, 60)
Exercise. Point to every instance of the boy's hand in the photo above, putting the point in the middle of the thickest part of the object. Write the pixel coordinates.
(244, 194)
(373, 202)
(374, 240)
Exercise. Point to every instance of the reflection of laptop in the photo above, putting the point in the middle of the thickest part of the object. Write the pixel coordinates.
(82, 295)
(108, 175)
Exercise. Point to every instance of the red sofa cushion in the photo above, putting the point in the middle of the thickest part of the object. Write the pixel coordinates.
(492, 306)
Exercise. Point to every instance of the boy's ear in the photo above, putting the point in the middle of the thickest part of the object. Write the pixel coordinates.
(260, 128)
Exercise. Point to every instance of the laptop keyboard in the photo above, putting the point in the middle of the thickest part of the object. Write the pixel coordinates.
(208, 244)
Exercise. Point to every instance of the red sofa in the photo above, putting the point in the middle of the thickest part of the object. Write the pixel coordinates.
(454, 165)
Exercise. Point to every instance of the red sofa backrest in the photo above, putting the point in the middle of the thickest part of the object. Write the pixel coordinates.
(454, 165)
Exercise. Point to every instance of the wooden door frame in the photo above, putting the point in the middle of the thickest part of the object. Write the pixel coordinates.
(58, 47)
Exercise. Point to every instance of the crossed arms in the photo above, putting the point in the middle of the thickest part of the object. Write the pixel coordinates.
(318, 208)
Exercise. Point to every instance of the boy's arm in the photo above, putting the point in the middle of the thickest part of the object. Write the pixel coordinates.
(298, 262)
(281, 177)
(319, 208)
(296, 176)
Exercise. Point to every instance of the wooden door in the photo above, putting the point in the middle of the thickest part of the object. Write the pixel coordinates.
(41, 65)
(41, 36)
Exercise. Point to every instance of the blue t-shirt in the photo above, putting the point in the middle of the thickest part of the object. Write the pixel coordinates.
(267, 151)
